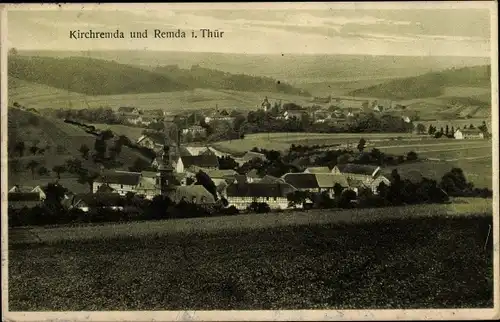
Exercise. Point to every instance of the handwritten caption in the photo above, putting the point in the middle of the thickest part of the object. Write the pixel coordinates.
(146, 33)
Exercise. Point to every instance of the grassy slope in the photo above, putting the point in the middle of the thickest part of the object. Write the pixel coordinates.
(51, 132)
(436, 262)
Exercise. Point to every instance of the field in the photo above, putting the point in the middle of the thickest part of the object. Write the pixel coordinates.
(473, 156)
(431, 258)
(39, 96)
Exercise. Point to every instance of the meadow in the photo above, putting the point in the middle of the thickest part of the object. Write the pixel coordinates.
(40, 96)
(433, 258)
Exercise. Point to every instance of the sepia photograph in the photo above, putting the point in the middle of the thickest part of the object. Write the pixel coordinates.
(249, 161)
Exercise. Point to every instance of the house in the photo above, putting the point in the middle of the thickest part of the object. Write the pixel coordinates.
(249, 156)
(206, 161)
(147, 141)
(195, 131)
(216, 175)
(88, 201)
(464, 134)
(219, 116)
(302, 181)
(294, 114)
(128, 110)
(193, 194)
(242, 195)
(327, 181)
(370, 176)
(120, 181)
(317, 170)
(19, 200)
(36, 189)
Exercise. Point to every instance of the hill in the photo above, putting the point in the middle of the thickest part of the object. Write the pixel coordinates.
(60, 142)
(295, 69)
(102, 77)
(474, 80)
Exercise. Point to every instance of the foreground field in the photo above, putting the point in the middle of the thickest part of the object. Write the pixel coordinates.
(433, 262)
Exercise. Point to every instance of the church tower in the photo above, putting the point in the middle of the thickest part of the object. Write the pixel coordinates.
(166, 180)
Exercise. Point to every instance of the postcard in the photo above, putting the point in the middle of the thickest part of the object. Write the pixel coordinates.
(250, 161)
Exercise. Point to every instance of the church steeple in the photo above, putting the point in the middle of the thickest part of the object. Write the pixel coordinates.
(166, 178)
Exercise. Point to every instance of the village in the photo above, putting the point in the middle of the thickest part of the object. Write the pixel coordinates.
(182, 160)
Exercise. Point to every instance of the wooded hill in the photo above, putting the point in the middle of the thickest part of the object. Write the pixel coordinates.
(101, 77)
(429, 84)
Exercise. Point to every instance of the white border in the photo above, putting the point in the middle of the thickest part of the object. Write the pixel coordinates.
(306, 315)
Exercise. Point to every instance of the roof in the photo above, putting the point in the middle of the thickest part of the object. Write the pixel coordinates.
(125, 178)
(23, 196)
(317, 170)
(105, 189)
(470, 131)
(221, 173)
(356, 183)
(301, 180)
(189, 192)
(149, 174)
(270, 179)
(97, 200)
(326, 180)
(250, 155)
(203, 161)
(357, 168)
(259, 189)
(126, 109)
(253, 174)
(196, 150)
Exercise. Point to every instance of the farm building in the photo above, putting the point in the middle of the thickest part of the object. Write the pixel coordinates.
(205, 161)
(369, 176)
(327, 182)
(36, 189)
(147, 141)
(128, 110)
(463, 134)
(302, 181)
(121, 182)
(242, 195)
(192, 194)
(317, 170)
(88, 201)
(19, 200)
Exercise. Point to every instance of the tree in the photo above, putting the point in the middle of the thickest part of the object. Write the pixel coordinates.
(54, 193)
(361, 145)
(204, 179)
(84, 150)
(412, 156)
(13, 51)
(471, 126)
(32, 165)
(432, 129)
(346, 198)
(227, 163)
(87, 177)
(297, 198)
(58, 169)
(34, 149)
(337, 190)
(100, 147)
(42, 171)
(139, 165)
(20, 147)
(420, 128)
(74, 166)
(15, 165)
(483, 128)
(447, 131)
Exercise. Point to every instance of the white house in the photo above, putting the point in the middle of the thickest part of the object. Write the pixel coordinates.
(24, 189)
(461, 134)
(242, 195)
(120, 181)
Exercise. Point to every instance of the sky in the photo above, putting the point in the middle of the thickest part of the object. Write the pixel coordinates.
(263, 29)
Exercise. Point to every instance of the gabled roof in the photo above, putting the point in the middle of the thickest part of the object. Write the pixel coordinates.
(188, 192)
(326, 180)
(125, 178)
(23, 196)
(301, 180)
(196, 150)
(18, 188)
(357, 168)
(259, 189)
(317, 170)
(203, 161)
